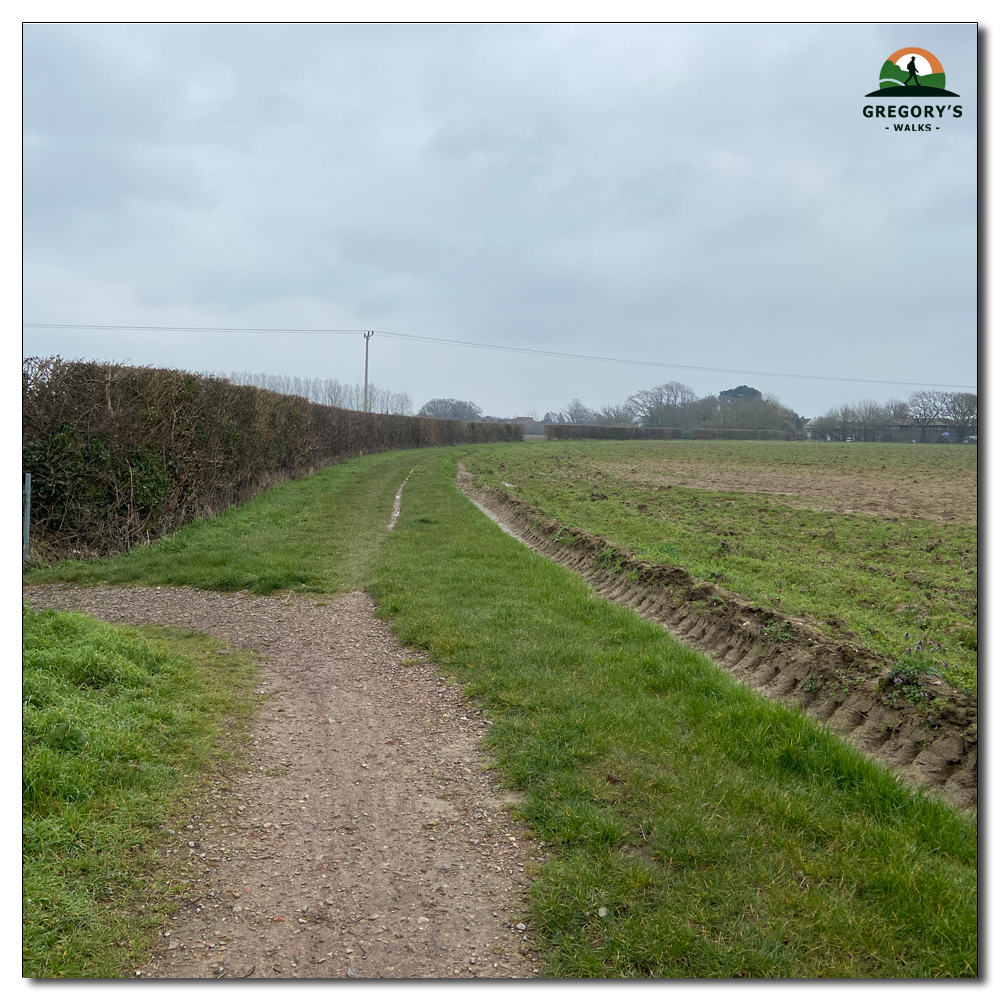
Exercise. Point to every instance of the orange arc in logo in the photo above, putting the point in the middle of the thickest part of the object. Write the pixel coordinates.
(936, 66)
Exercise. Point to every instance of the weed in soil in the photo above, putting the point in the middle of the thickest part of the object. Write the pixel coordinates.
(779, 631)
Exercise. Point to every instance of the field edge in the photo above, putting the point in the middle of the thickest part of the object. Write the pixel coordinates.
(928, 735)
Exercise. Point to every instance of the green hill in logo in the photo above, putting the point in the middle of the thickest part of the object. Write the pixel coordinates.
(913, 72)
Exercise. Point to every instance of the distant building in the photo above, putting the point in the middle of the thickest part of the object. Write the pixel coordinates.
(901, 431)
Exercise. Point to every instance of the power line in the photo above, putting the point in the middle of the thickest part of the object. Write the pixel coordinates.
(661, 364)
(493, 347)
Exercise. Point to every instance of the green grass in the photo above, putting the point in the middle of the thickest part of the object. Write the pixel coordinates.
(722, 834)
(890, 582)
(119, 728)
(739, 840)
(314, 535)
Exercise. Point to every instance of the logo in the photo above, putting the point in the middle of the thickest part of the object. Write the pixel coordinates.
(911, 73)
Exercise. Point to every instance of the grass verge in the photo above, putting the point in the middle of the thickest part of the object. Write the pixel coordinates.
(701, 830)
(890, 583)
(120, 729)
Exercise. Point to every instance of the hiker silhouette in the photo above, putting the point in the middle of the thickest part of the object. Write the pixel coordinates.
(912, 67)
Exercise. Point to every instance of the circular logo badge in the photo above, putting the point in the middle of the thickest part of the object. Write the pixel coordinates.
(912, 72)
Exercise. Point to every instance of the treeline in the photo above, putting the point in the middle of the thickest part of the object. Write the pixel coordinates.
(121, 455)
(674, 404)
(329, 392)
(928, 415)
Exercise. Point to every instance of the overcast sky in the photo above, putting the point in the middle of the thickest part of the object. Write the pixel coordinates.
(697, 195)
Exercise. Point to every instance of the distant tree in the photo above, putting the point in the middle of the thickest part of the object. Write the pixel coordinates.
(756, 412)
(329, 392)
(704, 412)
(782, 418)
(961, 410)
(926, 408)
(662, 405)
(870, 419)
(837, 423)
(610, 415)
(847, 420)
(823, 427)
(577, 413)
(553, 418)
(898, 410)
(450, 409)
(742, 392)
(386, 401)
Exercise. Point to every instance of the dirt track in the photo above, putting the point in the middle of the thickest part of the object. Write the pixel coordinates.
(360, 837)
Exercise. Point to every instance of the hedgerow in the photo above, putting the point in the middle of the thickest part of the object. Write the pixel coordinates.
(120, 455)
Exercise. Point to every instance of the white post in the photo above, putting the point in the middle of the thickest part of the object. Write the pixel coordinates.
(26, 503)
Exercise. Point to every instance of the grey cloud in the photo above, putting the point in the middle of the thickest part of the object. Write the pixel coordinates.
(687, 193)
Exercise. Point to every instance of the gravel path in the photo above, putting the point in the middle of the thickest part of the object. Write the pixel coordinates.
(360, 837)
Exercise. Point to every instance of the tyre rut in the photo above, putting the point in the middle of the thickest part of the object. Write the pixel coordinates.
(932, 746)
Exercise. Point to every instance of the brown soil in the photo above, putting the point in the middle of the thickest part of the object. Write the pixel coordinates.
(932, 745)
(932, 499)
(360, 836)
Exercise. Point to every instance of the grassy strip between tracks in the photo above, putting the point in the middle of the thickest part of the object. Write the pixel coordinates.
(697, 829)
(121, 728)
(313, 535)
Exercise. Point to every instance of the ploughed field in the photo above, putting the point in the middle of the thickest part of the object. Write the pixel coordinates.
(873, 544)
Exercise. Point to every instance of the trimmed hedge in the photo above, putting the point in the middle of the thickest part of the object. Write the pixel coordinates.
(121, 455)
(734, 434)
(599, 432)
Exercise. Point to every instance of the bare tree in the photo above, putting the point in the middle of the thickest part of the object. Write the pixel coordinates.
(837, 423)
(961, 410)
(842, 419)
(387, 401)
(898, 410)
(704, 412)
(329, 392)
(577, 413)
(926, 407)
(870, 419)
(661, 405)
(615, 414)
(824, 426)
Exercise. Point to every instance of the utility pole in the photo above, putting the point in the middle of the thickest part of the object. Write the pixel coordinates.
(368, 336)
